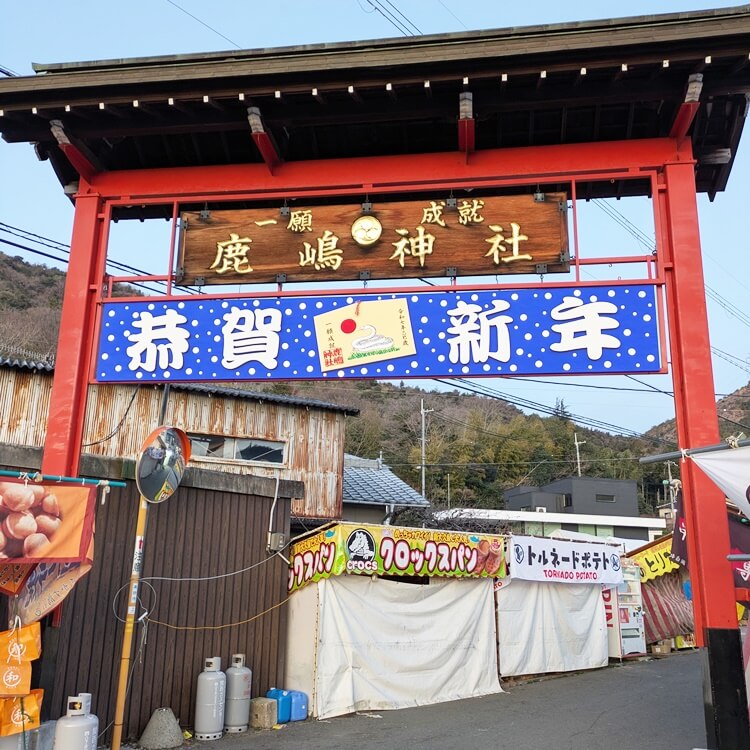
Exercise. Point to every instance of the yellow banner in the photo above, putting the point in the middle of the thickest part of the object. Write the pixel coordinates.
(655, 561)
(395, 551)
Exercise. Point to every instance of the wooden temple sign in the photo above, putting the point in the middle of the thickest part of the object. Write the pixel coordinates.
(416, 239)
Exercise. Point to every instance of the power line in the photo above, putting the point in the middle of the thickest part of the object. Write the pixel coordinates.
(543, 408)
(65, 260)
(561, 384)
(736, 361)
(407, 20)
(732, 421)
(393, 20)
(626, 224)
(26, 232)
(653, 387)
(57, 245)
(31, 250)
(477, 390)
(728, 306)
(203, 23)
(712, 294)
(439, 464)
(453, 14)
(7, 72)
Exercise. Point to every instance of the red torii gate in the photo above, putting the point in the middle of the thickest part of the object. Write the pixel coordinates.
(667, 161)
(679, 266)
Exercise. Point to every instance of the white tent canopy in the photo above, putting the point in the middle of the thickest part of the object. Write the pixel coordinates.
(358, 643)
(550, 627)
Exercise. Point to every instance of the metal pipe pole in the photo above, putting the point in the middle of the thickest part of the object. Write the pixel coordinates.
(422, 412)
(127, 638)
(691, 451)
(578, 451)
(37, 477)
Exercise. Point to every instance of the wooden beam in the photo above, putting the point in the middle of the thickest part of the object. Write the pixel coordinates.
(77, 154)
(688, 109)
(263, 139)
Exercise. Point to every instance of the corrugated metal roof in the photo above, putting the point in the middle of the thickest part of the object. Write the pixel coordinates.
(370, 482)
(273, 398)
(26, 364)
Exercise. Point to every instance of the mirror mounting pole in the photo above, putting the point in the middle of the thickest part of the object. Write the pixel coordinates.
(158, 472)
(127, 638)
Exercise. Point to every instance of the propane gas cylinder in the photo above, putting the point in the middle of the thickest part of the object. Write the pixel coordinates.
(209, 701)
(78, 729)
(239, 687)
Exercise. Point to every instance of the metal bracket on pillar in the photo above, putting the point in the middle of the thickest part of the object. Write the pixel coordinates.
(263, 140)
(466, 123)
(688, 109)
(80, 158)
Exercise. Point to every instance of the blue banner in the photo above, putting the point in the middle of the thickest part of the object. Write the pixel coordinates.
(434, 334)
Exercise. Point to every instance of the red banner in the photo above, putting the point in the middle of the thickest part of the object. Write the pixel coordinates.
(739, 541)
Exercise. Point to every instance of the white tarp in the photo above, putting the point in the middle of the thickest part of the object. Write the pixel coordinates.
(385, 644)
(730, 470)
(550, 627)
(541, 559)
(301, 636)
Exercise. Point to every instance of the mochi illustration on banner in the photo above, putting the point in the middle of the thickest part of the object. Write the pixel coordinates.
(730, 470)
(363, 332)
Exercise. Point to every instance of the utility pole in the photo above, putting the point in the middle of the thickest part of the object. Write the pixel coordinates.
(423, 412)
(578, 452)
(449, 491)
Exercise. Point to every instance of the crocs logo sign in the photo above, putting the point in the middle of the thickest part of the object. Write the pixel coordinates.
(360, 549)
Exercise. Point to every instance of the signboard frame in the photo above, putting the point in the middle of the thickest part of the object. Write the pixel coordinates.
(423, 237)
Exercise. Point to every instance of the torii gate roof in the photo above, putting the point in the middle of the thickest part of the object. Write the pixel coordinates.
(609, 80)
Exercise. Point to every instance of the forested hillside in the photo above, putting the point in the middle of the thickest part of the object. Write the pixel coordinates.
(475, 446)
(30, 300)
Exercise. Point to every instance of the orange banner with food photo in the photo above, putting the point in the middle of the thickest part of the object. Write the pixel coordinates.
(45, 522)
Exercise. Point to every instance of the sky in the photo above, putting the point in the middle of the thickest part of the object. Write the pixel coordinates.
(32, 199)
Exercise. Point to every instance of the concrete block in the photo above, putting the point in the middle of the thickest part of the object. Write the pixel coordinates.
(162, 731)
(263, 713)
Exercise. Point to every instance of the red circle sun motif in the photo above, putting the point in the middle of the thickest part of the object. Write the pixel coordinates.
(348, 325)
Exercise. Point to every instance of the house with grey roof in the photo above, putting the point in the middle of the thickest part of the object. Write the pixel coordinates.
(372, 491)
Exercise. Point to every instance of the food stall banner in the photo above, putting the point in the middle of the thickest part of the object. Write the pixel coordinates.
(540, 559)
(395, 551)
(678, 553)
(655, 561)
(739, 542)
(44, 523)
